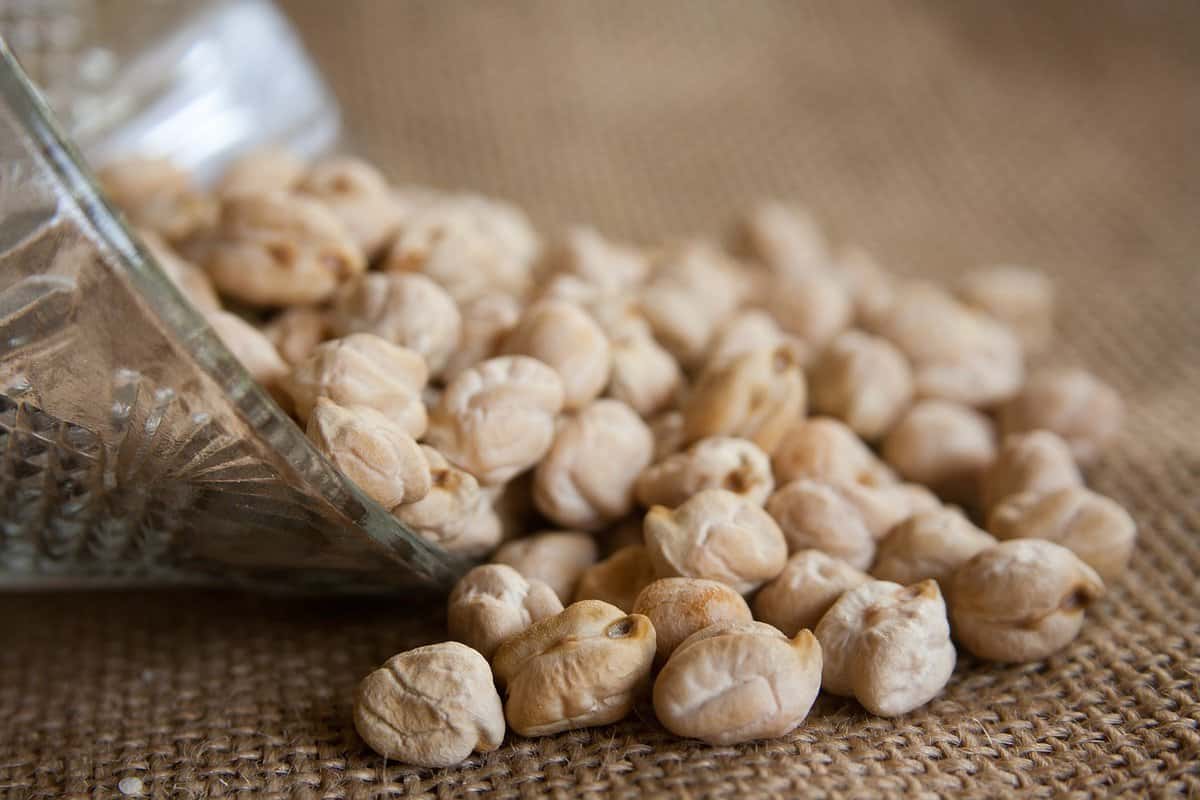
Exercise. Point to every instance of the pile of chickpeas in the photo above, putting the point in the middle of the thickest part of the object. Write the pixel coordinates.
(720, 476)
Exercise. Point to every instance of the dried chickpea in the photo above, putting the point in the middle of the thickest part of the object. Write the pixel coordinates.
(887, 645)
(360, 197)
(757, 396)
(486, 321)
(738, 681)
(562, 335)
(884, 507)
(717, 535)
(585, 254)
(957, 354)
(267, 169)
(718, 462)
(513, 503)
(1020, 297)
(430, 707)
(586, 479)
(824, 449)
(785, 238)
(456, 515)
(667, 429)
(678, 607)
(496, 419)
(1088, 524)
(249, 346)
(644, 374)
(871, 287)
(406, 309)
(931, 544)
(373, 451)
(1038, 461)
(943, 445)
(494, 602)
(469, 245)
(813, 306)
(297, 331)
(191, 281)
(752, 329)
(810, 583)
(864, 381)
(362, 370)
(158, 196)
(819, 516)
(618, 578)
(557, 558)
(1074, 403)
(1021, 600)
(585, 666)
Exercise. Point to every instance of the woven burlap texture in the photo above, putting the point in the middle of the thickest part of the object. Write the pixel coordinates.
(938, 136)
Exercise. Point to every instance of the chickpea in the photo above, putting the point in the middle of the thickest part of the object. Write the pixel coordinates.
(1088, 524)
(749, 330)
(815, 515)
(872, 288)
(557, 558)
(359, 196)
(486, 321)
(644, 374)
(431, 707)
(667, 429)
(405, 309)
(812, 306)
(824, 449)
(362, 370)
(738, 681)
(718, 462)
(251, 348)
(787, 239)
(799, 596)
(1020, 297)
(297, 331)
(757, 396)
(716, 535)
(1073, 403)
(618, 578)
(864, 381)
(496, 419)
(1038, 462)
(191, 281)
(585, 666)
(585, 254)
(275, 249)
(563, 336)
(1021, 600)
(158, 196)
(373, 451)
(263, 170)
(456, 514)
(943, 445)
(586, 479)
(887, 645)
(931, 544)
(493, 602)
(678, 607)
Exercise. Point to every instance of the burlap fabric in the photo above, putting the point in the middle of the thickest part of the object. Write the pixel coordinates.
(939, 136)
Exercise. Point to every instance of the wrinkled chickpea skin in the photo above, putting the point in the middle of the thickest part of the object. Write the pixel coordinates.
(358, 195)
(430, 707)
(824, 449)
(1073, 403)
(738, 681)
(1038, 462)
(566, 338)
(583, 667)
(558, 558)
(864, 381)
(618, 579)
(493, 602)
(945, 446)
(932, 544)
(810, 583)
(456, 514)
(818, 516)
(678, 607)
(1020, 297)
(718, 462)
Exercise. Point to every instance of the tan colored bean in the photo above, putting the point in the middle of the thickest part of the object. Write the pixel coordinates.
(563, 336)
(1020, 297)
(456, 515)
(1073, 403)
(810, 583)
(1021, 600)
(717, 535)
(667, 429)
(718, 462)
(557, 558)
(1038, 461)
(749, 330)
(587, 477)
(738, 681)
(406, 309)
(644, 374)
(430, 707)
(586, 666)
(618, 578)
(158, 196)
(824, 449)
(264, 170)
(609, 266)
(757, 396)
(819, 516)
(493, 602)
(785, 238)
(255, 351)
(1090, 525)
(496, 419)
(362, 370)
(191, 281)
(864, 381)
(887, 645)
(931, 544)
(813, 306)
(943, 445)
(872, 288)
(486, 321)
(297, 331)
(678, 607)
(359, 196)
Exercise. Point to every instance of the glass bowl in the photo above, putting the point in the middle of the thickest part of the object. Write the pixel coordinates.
(133, 446)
